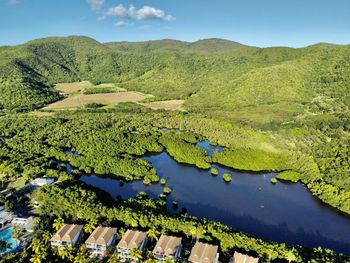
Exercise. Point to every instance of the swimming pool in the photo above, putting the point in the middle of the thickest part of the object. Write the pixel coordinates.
(6, 235)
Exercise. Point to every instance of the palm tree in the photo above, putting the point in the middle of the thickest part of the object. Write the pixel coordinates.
(135, 255)
(194, 232)
(36, 258)
(200, 232)
(89, 227)
(80, 258)
(151, 260)
(153, 234)
(58, 223)
(169, 260)
(46, 237)
(83, 248)
(65, 253)
(4, 246)
(113, 258)
(16, 232)
(36, 246)
(290, 256)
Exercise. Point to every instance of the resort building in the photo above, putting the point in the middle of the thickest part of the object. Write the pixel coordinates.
(167, 247)
(5, 217)
(24, 223)
(241, 258)
(131, 240)
(100, 240)
(204, 253)
(68, 235)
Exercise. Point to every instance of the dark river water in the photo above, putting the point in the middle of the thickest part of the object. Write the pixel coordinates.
(250, 203)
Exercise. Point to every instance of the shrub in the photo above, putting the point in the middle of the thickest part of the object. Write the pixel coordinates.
(227, 178)
(166, 190)
(214, 171)
(273, 180)
(147, 181)
(163, 181)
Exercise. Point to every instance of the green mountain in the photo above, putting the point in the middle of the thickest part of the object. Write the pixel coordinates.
(213, 45)
(254, 85)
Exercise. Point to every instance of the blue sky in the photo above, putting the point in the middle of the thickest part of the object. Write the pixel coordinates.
(261, 23)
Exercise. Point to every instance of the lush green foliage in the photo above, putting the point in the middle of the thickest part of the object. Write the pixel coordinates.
(252, 160)
(289, 176)
(227, 178)
(181, 150)
(163, 181)
(167, 190)
(214, 171)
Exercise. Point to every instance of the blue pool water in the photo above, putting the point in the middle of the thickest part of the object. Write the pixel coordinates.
(7, 236)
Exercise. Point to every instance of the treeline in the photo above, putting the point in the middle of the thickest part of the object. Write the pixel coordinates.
(253, 159)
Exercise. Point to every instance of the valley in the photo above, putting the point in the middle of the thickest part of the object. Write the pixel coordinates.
(138, 118)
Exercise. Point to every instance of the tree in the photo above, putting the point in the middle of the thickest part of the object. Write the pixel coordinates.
(36, 246)
(200, 232)
(8, 206)
(290, 256)
(4, 246)
(39, 250)
(113, 258)
(153, 234)
(169, 260)
(89, 227)
(136, 255)
(36, 258)
(16, 232)
(65, 253)
(58, 224)
(46, 236)
(80, 258)
(152, 260)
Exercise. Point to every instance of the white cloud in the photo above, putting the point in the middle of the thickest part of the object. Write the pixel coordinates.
(119, 11)
(96, 4)
(121, 24)
(144, 13)
(148, 12)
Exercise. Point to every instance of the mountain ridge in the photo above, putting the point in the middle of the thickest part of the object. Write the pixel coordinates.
(169, 69)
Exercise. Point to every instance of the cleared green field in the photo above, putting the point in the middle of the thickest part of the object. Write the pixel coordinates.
(165, 105)
(84, 94)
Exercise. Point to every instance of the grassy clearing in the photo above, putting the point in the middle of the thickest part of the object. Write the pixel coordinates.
(42, 113)
(72, 88)
(82, 100)
(76, 97)
(103, 88)
(165, 105)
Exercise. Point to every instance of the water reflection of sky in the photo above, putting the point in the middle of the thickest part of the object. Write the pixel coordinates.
(250, 203)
